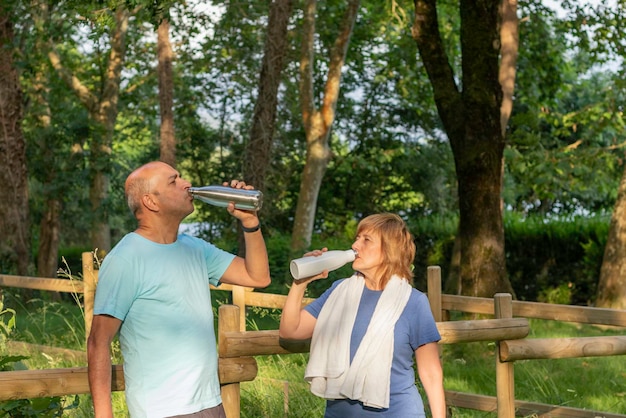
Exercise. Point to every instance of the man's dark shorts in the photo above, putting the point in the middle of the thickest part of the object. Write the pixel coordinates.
(215, 412)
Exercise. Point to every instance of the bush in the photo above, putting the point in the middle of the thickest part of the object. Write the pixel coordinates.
(556, 260)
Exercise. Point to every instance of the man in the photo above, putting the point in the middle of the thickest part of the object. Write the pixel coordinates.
(154, 289)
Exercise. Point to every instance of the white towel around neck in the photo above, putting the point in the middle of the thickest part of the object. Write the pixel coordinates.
(368, 378)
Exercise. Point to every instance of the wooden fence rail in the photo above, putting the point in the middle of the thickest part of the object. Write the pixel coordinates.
(237, 347)
(537, 310)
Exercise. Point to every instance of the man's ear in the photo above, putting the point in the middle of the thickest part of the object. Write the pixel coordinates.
(149, 203)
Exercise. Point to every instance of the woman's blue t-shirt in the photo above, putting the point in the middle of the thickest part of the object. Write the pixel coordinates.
(415, 327)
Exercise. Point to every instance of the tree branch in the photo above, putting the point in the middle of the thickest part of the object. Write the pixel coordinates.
(426, 34)
(337, 60)
(84, 95)
(509, 40)
(307, 54)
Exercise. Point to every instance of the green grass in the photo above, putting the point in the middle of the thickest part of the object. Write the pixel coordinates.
(57, 323)
(595, 383)
(280, 390)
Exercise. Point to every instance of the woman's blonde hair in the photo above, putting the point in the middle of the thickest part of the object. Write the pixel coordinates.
(397, 245)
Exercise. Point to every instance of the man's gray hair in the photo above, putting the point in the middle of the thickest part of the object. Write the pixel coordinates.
(135, 189)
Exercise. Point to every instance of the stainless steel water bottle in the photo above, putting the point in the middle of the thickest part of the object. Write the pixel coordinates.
(222, 195)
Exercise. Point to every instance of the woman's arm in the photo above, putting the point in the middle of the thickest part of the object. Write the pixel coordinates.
(295, 322)
(431, 375)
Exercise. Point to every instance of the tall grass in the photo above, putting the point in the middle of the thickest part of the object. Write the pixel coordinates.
(594, 383)
(280, 390)
(56, 324)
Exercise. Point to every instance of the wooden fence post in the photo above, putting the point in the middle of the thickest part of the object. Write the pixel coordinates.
(228, 320)
(239, 300)
(434, 291)
(505, 385)
(433, 277)
(90, 279)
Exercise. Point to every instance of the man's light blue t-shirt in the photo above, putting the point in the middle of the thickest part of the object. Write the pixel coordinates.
(161, 294)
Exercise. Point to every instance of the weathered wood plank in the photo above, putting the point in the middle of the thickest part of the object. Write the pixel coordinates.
(28, 384)
(41, 283)
(22, 348)
(483, 330)
(270, 301)
(235, 370)
(522, 408)
(559, 348)
(567, 313)
(255, 343)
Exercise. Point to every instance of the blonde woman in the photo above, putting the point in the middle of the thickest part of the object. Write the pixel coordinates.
(367, 329)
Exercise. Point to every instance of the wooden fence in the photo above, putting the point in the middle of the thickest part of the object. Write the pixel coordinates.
(237, 347)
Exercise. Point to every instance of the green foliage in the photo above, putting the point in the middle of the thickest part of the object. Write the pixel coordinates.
(469, 368)
(389, 152)
(565, 152)
(562, 294)
(58, 323)
(434, 240)
(546, 259)
(38, 407)
(24, 408)
(6, 325)
(278, 251)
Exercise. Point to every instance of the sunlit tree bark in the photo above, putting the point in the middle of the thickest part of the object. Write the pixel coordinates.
(258, 148)
(257, 153)
(509, 46)
(612, 283)
(317, 121)
(166, 93)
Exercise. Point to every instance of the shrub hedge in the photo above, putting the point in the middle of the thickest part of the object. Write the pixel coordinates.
(556, 261)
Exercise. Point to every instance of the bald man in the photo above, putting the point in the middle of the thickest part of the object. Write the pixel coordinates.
(153, 288)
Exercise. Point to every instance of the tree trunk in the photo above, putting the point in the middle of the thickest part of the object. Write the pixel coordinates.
(472, 121)
(612, 283)
(257, 153)
(166, 93)
(258, 149)
(102, 108)
(14, 228)
(453, 281)
(49, 226)
(47, 257)
(317, 122)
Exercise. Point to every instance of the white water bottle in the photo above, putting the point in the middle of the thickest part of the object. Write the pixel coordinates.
(222, 195)
(312, 265)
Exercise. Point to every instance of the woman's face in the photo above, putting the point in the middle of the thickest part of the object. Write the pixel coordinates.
(368, 246)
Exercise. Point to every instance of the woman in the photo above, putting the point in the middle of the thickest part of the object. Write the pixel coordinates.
(366, 329)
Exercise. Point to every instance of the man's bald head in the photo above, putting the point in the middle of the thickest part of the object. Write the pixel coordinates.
(139, 183)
